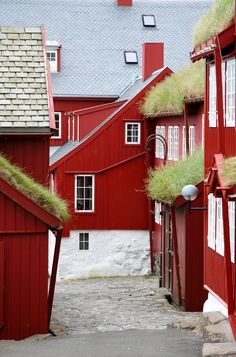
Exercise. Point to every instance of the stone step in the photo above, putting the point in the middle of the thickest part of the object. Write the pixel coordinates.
(219, 349)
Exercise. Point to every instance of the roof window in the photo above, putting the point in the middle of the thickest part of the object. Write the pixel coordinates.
(131, 57)
(149, 20)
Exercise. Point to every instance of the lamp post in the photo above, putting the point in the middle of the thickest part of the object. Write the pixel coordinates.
(150, 202)
(190, 193)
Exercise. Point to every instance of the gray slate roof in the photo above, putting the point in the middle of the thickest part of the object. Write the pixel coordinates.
(130, 92)
(23, 89)
(94, 34)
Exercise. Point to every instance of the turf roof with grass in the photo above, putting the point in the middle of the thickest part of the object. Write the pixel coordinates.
(217, 19)
(165, 183)
(33, 190)
(168, 96)
(228, 171)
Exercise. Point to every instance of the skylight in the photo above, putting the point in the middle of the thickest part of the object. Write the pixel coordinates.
(131, 57)
(149, 20)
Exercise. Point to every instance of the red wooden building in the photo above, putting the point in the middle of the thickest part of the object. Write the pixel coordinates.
(176, 235)
(102, 177)
(219, 223)
(26, 120)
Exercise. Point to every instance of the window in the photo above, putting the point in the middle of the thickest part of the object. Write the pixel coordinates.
(160, 130)
(230, 93)
(132, 133)
(52, 57)
(83, 241)
(131, 57)
(219, 227)
(231, 206)
(170, 141)
(158, 212)
(57, 134)
(212, 97)
(211, 221)
(149, 20)
(191, 131)
(84, 193)
(173, 142)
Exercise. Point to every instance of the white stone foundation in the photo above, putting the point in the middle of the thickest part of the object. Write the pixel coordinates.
(111, 253)
(213, 304)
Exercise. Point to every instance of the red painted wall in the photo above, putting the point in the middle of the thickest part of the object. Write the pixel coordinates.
(30, 153)
(25, 241)
(65, 105)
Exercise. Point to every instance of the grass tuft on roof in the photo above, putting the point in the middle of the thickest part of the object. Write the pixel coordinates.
(217, 19)
(228, 171)
(33, 190)
(168, 96)
(165, 183)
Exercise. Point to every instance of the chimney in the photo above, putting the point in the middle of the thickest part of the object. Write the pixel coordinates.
(153, 58)
(124, 2)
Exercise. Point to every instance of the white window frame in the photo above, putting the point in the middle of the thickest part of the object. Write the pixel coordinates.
(212, 114)
(211, 221)
(59, 126)
(160, 152)
(219, 227)
(53, 64)
(231, 208)
(184, 151)
(83, 242)
(176, 144)
(132, 136)
(84, 198)
(170, 142)
(191, 139)
(158, 212)
(230, 93)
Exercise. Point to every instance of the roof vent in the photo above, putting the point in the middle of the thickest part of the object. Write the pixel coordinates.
(124, 2)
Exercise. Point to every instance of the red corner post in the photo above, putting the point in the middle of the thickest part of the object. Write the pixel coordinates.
(58, 236)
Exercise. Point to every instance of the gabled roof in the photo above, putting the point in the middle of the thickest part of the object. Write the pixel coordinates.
(132, 95)
(24, 97)
(94, 34)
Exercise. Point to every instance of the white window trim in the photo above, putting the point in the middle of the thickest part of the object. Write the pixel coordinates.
(159, 151)
(93, 193)
(176, 144)
(170, 142)
(230, 93)
(191, 139)
(231, 207)
(53, 64)
(184, 151)
(212, 97)
(158, 212)
(211, 221)
(59, 130)
(219, 227)
(126, 132)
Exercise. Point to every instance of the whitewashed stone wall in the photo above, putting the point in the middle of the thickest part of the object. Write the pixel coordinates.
(111, 253)
(213, 304)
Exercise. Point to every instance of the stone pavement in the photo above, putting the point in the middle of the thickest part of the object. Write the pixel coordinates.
(113, 304)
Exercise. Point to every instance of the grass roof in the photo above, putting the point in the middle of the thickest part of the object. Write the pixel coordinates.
(168, 96)
(33, 190)
(165, 183)
(228, 172)
(217, 19)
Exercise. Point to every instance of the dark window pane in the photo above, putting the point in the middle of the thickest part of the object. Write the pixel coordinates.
(88, 205)
(88, 181)
(88, 192)
(80, 204)
(80, 181)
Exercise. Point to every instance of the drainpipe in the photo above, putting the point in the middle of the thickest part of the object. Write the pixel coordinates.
(176, 253)
(58, 235)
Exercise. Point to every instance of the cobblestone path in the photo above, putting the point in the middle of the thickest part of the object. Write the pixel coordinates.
(112, 304)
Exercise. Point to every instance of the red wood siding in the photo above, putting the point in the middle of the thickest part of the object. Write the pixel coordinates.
(65, 105)
(25, 271)
(2, 283)
(32, 154)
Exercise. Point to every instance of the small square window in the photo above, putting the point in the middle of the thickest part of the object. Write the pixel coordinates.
(83, 241)
(132, 133)
(131, 57)
(149, 20)
(52, 58)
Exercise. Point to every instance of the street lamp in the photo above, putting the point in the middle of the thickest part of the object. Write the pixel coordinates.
(190, 193)
(162, 140)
